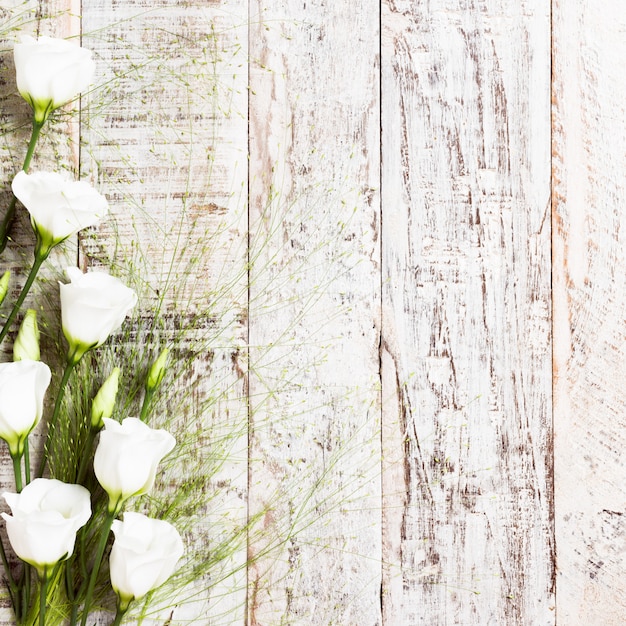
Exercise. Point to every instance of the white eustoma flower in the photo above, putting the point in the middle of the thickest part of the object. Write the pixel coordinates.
(58, 207)
(45, 518)
(144, 555)
(23, 385)
(51, 72)
(127, 456)
(93, 305)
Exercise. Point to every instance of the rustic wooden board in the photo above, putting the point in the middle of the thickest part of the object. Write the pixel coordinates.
(466, 313)
(589, 302)
(164, 134)
(460, 530)
(314, 309)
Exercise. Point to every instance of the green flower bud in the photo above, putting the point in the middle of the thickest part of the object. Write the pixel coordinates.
(4, 285)
(157, 371)
(104, 402)
(26, 345)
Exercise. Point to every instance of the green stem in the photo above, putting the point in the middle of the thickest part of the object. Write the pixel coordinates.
(69, 588)
(74, 595)
(5, 225)
(34, 136)
(40, 257)
(87, 450)
(25, 584)
(106, 527)
(42, 597)
(119, 614)
(74, 615)
(26, 461)
(83, 553)
(13, 590)
(69, 366)
(17, 470)
(143, 416)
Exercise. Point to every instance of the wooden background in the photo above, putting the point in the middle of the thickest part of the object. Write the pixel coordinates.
(416, 206)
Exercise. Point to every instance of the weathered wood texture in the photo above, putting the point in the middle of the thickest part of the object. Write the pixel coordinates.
(314, 310)
(466, 314)
(589, 95)
(165, 134)
(353, 198)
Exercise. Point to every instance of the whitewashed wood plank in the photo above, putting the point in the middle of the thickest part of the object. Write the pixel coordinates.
(165, 136)
(589, 300)
(315, 452)
(466, 320)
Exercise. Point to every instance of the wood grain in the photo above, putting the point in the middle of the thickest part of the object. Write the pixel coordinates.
(589, 299)
(314, 310)
(240, 145)
(164, 134)
(466, 333)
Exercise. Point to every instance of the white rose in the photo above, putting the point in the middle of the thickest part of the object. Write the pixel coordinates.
(46, 516)
(127, 456)
(23, 385)
(58, 207)
(93, 305)
(51, 72)
(144, 555)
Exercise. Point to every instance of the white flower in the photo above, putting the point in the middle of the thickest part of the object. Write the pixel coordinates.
(127, 456)
(46, 516)
(51, 72)
(93, 305)
(23, 385)
(144, 555)
(58, 207)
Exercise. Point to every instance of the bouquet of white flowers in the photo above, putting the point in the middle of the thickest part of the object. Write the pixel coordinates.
(60, 526)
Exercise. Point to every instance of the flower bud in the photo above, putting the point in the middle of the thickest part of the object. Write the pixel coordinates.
(26, 345)
(4, 285)
(104, 402)
(157, 371)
